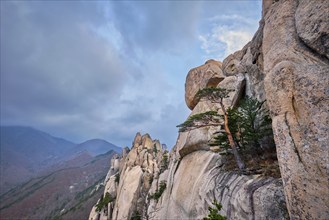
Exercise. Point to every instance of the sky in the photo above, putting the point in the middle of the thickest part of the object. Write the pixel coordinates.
(108, 69)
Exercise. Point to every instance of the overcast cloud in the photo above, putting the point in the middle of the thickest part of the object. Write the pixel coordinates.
(83, 70)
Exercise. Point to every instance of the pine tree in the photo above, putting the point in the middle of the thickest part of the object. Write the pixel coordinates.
(209, 118)
(255, 123)
(249, 123)
(221, 138)
(214, 95)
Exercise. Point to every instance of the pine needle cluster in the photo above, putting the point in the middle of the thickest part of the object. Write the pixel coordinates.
(249, 124)
(214, 212)
(209, 118)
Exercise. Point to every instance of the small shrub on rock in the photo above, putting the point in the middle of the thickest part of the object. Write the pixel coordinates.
(159, 191)
(214, 212)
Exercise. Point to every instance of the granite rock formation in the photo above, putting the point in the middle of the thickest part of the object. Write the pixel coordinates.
(193, 176)
(286, 63)
(296, 68)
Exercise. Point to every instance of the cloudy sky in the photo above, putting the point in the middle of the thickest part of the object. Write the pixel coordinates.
(107, 69)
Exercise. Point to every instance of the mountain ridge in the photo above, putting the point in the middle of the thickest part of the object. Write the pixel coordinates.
(26, 152)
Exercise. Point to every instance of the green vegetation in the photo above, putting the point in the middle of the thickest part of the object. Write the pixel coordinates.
(104, 201)
(217, 95)
(117, 178)
(159, 191)
(241, 130)
(155, 150)
(15, 195)
(249, 124)
(209, 118)
(164, 162)
(136, 216)
(81, 197)
(214, 212)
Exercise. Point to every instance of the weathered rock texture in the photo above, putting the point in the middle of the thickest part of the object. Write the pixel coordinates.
(130, 178)
(296, 68)
(194, 177)
(209, 74)
(286, 63)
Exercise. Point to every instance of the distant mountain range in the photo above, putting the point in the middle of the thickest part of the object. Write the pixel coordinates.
(68, 192)
(46, 177)
(26, 152)
(97, 146)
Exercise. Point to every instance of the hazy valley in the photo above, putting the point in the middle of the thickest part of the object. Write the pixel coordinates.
(48, 176)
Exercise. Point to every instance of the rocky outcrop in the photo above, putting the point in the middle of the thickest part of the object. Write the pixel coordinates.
(311, 20)
(193, 177)
(209, 74)
(296, 65)
(196, 180)
(130, 178)
(286, 63)
(196, 176)
(198, 139)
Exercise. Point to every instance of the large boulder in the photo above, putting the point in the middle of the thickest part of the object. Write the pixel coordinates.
(296, 86)
(312, 19)
(209, 74)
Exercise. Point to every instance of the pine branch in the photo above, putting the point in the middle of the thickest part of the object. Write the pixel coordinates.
(209, 118)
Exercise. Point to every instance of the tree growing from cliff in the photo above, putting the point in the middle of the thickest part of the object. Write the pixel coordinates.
(220, 138)
(209, 118)
(164, 162)
(157, 194)
(249, 123)
(104, 201)
(254, 123)
(214, 95)
(117, 178)
(136, 216)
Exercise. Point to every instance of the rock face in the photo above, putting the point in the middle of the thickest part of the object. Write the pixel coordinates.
(286, 63)
(130, 178)
(296, 65)
(192, 176)
(312, 25)
(197, 179)
(209, 74)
